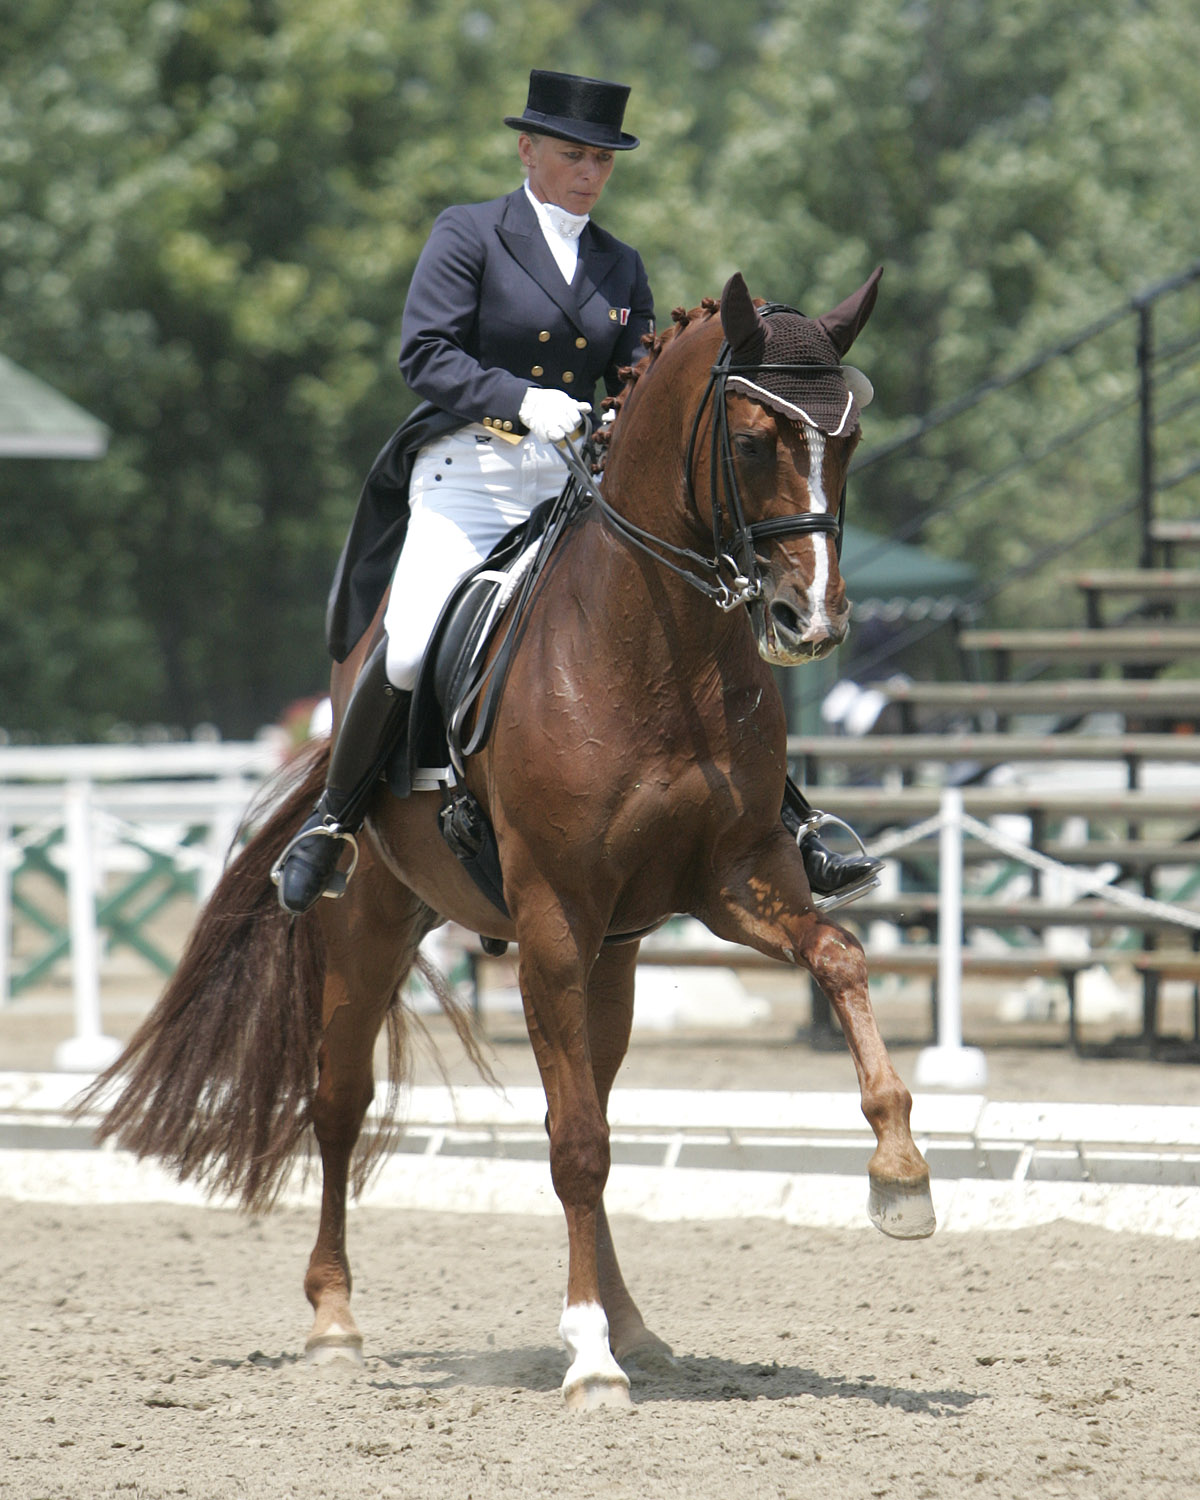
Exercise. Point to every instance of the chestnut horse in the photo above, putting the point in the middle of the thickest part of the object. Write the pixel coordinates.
(634, 771)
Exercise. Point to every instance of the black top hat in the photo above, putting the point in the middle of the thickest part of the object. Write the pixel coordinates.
(586, 110)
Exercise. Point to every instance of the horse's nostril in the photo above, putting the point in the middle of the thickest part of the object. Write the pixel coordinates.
(786, 620)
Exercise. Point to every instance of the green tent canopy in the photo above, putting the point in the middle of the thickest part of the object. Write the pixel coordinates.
(897, 579)
(37, 422)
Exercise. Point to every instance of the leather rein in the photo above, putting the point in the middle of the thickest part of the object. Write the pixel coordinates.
(732, 576)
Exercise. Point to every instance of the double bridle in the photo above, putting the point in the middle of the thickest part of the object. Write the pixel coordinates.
(732, 576)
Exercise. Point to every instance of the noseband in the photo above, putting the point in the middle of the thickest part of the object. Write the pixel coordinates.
(731, 577)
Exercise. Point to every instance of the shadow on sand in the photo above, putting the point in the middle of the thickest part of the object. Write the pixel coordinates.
(685, 1378)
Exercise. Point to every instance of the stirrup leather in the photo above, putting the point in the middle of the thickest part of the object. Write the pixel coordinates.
(848, 893)
(336, 886)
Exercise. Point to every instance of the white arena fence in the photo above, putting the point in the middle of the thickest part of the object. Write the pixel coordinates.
(99, 817)
(120, 830)
(949, 1063)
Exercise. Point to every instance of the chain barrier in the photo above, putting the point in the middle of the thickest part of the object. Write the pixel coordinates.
(1181, 915)
(891, 843)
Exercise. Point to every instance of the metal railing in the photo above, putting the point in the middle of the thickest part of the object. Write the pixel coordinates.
(1116, 415)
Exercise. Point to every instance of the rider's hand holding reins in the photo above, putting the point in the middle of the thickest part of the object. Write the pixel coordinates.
(551, 415)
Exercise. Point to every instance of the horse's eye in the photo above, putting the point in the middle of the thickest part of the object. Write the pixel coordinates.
(753, 446)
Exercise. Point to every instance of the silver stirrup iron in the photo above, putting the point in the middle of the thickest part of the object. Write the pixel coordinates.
(849, 893)
(340, 878)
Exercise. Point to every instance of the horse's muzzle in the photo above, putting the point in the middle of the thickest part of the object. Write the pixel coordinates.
(791, 635)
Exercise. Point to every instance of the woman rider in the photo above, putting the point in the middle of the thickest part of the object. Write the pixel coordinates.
(517, 309)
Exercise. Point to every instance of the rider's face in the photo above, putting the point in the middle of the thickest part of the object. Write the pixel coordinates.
(561, 172)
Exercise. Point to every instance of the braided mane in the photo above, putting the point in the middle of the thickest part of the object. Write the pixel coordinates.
(681, 319)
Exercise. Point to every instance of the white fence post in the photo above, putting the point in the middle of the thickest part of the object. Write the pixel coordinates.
(89, 1049)
(6, 924)
(949, 1064)
(146, 791)
(229, 809)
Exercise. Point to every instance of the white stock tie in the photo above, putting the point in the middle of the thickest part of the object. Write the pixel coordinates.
(561, 231)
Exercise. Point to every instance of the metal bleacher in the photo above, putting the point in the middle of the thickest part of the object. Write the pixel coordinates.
(1088, 729)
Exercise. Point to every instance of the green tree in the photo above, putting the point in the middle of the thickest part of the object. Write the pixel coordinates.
(208, 216)
(1020, 171)
(210, 211)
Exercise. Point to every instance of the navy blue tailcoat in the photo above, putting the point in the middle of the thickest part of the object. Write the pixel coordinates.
(488, 315)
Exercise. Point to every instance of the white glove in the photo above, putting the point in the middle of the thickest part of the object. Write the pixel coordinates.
(550, 415)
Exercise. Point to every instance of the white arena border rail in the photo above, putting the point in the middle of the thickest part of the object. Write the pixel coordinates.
(101, 796)
(798, 1158)
(100, 793)
(949, 1064)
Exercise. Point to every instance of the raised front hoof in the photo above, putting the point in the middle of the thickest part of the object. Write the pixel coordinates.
(334, 1349)
(903, 1210)
(595, 1391)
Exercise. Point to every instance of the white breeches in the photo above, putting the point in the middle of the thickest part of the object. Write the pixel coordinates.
(467, 490)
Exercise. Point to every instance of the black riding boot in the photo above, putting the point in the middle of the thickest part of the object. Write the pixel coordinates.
(375, 718)
(830, 875)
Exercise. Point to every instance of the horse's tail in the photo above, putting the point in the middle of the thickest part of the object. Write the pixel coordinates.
(219, 1078)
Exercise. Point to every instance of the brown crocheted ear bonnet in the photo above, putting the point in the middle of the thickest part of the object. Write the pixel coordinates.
(815, 387)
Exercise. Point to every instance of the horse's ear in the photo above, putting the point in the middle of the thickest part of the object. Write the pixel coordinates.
(846, 321)
(739, 316)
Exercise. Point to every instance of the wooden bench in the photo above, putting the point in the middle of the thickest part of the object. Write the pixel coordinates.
(920, 908)
(880, 806)
(1070, 698)
(874, 810)
(907, 750)
(902, 752)
(1144, 583)
(1166, 529)
(921, 961)
(1154, 585)
(1170, 534)
(1130, 854)
(1146, 645)
(1029, 963)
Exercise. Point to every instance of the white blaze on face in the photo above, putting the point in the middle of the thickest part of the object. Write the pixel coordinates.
(818, 589)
